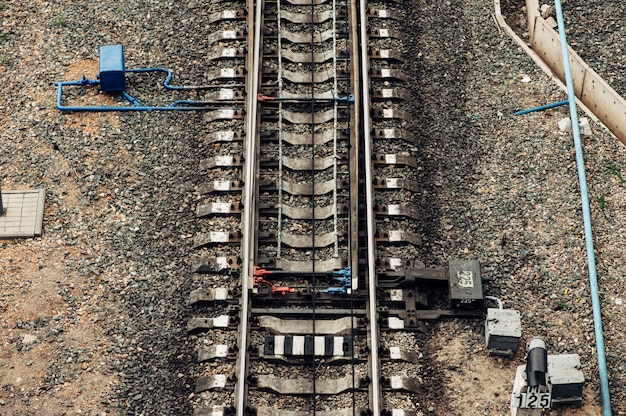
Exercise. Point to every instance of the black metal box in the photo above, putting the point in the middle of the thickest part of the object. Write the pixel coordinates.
(466, 286)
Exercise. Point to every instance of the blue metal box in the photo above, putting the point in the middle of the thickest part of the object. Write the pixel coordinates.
(112, 68)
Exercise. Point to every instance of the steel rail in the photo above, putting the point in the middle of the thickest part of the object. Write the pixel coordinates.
(249, 203)
(376, 396)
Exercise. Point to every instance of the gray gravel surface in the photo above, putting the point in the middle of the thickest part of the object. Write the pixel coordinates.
(104, 291)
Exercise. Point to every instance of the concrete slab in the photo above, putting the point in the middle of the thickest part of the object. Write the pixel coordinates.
(23, 213)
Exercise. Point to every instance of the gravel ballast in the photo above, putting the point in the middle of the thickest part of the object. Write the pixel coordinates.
(94, 311)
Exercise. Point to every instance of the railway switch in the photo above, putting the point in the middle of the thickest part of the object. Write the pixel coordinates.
(503, 329)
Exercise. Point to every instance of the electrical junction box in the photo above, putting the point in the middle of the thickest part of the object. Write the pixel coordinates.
(465, 282)
(566, 379)
(503, 330)
(112, 68)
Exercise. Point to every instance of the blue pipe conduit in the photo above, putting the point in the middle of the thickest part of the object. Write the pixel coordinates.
(541, 108)
(180, 105)
(582, 179)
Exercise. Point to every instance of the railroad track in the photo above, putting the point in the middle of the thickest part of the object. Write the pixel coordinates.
(305, 298)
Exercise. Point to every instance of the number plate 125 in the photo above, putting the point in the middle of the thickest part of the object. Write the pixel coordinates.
(533, 400)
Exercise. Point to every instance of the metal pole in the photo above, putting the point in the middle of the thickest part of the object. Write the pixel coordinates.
(582, 179)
